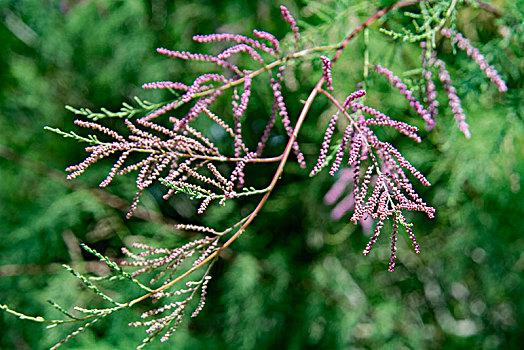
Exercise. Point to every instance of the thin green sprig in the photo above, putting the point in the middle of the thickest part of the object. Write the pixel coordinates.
(91, 139)
(126, 111)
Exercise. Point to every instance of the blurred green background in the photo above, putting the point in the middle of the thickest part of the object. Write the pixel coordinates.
(296, 279)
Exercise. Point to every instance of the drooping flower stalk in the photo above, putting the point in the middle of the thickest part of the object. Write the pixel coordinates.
(291, 21)
(408, 94)
(325, 145)
(454, 100)
(464, 44)
(430, 89)
(326, 67)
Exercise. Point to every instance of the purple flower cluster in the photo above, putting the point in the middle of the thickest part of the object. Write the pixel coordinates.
(327, 138)
(183, 150)
(248, 45)
(475, 54)
(376, 182)
(391, 190)
(408, 94)
(163, 151)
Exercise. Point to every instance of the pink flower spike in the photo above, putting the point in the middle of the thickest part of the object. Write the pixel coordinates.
(241, 48)
(413, 239)
(325, 145)
(272, 118)
(475, 54)
(393, 247)
(340, 151)
(326, 67)
(290, 20)
(269, 37)
(382, 119)
(353, 96)
(240, 39)
(197, 57)
(431, 92)
(238, 110)
(238, 172)
(282, 111)
(165, 85)
(454, 100)
(374, 238)
(408, 94)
